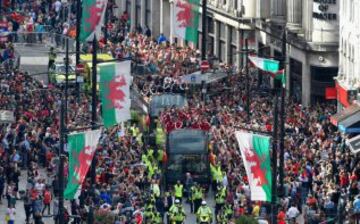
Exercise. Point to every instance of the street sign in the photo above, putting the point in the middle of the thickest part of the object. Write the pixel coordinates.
(80, 68)
(204, 65)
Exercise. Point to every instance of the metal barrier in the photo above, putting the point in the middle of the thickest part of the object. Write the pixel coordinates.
(47, 39)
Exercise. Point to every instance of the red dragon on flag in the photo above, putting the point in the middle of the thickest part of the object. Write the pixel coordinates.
(184, 16)
(116, 94)
(95, 16)
(84, 158)
(256, 168)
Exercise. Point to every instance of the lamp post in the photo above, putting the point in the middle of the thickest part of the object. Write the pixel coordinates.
(204, 26)
(274, 161)
(77, 55)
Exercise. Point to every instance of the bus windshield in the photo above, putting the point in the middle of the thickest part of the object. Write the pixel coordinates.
(179, 164)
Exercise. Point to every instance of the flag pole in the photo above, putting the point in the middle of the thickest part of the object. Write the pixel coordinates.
(282, 118)
(77, 55)
(204, 34)
(66, 78)
(60, 217)
(93, 123)
(274, 161)
(247, 79)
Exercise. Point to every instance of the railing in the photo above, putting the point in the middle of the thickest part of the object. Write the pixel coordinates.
(48, 39)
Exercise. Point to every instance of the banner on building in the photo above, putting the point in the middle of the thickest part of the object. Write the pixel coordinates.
(186, 19)
(81, 147)
(115, 81)
(255, 152)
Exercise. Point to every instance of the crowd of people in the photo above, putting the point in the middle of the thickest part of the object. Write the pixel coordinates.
(321, 175)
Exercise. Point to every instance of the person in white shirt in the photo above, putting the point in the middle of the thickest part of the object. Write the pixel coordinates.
(292, 212)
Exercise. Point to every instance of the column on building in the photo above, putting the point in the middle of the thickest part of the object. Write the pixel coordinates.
(216, 37)
(239, 37)
(143, 13)
(155, 23)
(133, 15)
(171, 37)
(228, 43)
(306, 83)
(294, 14)
(277, 10)
(165, 18)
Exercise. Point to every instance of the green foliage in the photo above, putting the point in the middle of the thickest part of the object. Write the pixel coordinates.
(246, 220)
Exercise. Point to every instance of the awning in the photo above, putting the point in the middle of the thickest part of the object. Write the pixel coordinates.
(354, 144)
(350, 124)
(335, 119)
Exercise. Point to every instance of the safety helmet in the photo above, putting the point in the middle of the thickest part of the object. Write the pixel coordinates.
(203, 203)
(177, 201)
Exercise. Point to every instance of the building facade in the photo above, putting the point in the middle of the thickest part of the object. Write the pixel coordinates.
(348, 80)
(312, 28)
(229, 23)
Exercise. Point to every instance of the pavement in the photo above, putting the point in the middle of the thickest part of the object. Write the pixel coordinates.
(20, 212)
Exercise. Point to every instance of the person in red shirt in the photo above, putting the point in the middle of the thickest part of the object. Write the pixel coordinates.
(281, 217)
(47, 200)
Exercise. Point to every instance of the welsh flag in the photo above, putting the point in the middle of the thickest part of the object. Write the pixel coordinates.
(115, 81)
(267, 65)
(81, 147)
(280, 75)
(93, 13)
(256, 157)
(186, 19)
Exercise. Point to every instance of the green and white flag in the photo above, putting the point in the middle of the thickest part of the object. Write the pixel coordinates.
(267, 65)
(255, 151)
(93, 13)
(115, 81)
(186, 19)
(81, 147)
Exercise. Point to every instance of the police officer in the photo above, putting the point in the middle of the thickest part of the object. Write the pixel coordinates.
(149, 212)
(177, 213)
(220, 198)
(197, 196)
(178, 190)
(52, 58)
(204, 214)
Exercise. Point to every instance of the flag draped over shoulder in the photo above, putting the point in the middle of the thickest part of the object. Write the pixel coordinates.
(81, 147)
(255, 152)
(115, 81)
(93, 13)
(186, 19)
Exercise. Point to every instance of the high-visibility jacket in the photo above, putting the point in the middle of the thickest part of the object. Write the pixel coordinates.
(220, 196)
(198, 193)
(177, 213)
(216, 173)
(178, 190)
(204, 211)
(155, 190)
(52, 56)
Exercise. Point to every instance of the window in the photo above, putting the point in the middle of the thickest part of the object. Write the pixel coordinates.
(222, 33)
(147, 13)
(234, 39)
(210, 25)
(222, 50)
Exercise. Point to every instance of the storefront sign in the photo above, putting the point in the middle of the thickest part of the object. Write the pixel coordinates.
(322, 10)
(342, 95)
(330, 93)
